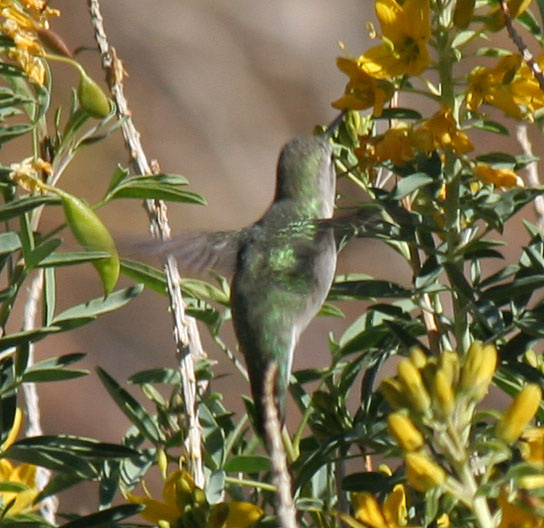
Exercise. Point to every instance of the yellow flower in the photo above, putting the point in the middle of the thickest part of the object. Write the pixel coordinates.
(406, 31)
(515, 515)
(498, 177)
(392, 514)
(181, 496)
(519, 413)
(510, 86)
(362, 91)
(22, 475)
(412, 383)
(395, 146)
(442, 132)
(26, 174)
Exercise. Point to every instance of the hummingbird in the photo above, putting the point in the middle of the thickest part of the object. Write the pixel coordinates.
(282, 266)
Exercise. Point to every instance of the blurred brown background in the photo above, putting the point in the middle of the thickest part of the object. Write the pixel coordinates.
(215, 88)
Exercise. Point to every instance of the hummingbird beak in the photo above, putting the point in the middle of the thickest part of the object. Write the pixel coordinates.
(334, 125)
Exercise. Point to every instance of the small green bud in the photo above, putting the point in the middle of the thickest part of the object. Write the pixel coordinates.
(92, 99)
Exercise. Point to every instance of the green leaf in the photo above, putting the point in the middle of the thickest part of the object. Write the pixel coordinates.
(410, 184)
(159, 187)
(497, 157)
(77, 445)
(204, 290)
(215, 487)
(370, 481)
(366, 289)
(149, 276)
(28, 336)
(47, 375)
(72, 258)
(131, 408)
(18, 207)
(491, 126)
(42, 251)
(155, 376)
(399, 113)
(82, 313)
(9, 242)
(105, 518)
(247, 464)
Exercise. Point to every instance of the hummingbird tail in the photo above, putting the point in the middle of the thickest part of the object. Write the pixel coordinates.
(267, 396)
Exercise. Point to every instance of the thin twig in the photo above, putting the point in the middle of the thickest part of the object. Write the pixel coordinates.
(523, 49)
(187, 338)
(532, 172)
(285, 507)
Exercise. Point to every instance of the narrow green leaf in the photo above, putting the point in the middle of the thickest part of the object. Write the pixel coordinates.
(42, 251)
(48, 375)
(28, 336)
(105, 518)
(410, 184)
(156, 376)
(18, 207)
(98, 306)
(131, 408)
(491, 126)
(72, 258)
(50, 296)
(247, 464)
(149, 276)
(399, 113)
(9, 242)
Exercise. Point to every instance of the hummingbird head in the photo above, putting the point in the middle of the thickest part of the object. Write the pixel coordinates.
(306, 176)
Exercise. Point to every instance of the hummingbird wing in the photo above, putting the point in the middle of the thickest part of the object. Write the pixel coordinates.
(200, 251)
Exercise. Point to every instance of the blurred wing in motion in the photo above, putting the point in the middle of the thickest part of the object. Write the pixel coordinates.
(198, 251)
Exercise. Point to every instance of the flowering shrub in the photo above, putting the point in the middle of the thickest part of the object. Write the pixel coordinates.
(453, 457)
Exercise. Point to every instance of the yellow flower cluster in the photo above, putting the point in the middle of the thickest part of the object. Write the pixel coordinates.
(428, 391)
(402, 143)
(406, 32)
(22, 21)
(185, 503)
(509, 85)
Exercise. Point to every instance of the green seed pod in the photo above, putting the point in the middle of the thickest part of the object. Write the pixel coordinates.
(92, 99)
(92, 234)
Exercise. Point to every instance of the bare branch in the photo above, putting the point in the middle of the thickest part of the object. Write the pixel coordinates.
(187, 338)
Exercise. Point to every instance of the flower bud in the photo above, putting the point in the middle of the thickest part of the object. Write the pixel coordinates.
(531, 482)
(443, 393)
(92, 99)
(422, 473)
(520, 412)
(418, 357)
(532, 447)
(391, 390)
(412, 383)
(405, 432)
(449, 365)
(478, 369)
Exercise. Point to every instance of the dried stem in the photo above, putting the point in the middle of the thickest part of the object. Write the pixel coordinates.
(285, 507)
(532, 172)
(187, 338)
(48, 507)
